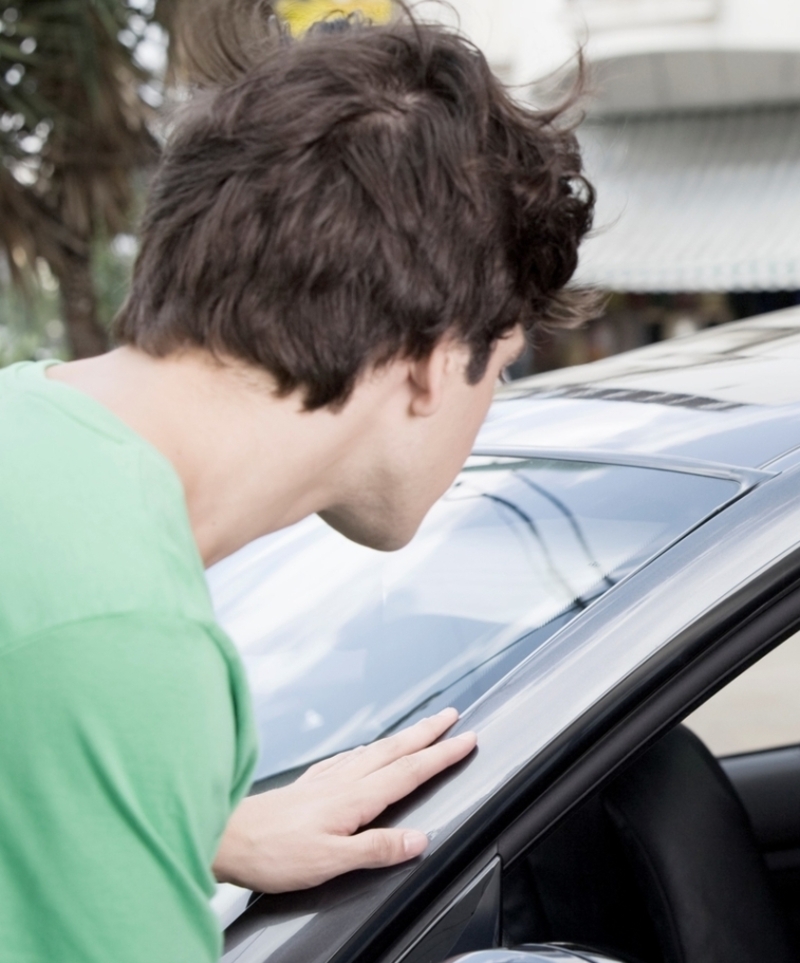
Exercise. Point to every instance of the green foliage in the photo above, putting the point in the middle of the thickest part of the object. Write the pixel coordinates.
(77, 100)
(30, 322)
(30, 326)
(111, 267)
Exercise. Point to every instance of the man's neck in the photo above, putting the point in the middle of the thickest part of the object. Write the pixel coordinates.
(249, 461)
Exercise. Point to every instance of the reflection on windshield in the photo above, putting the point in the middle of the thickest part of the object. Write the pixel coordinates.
(342, 643)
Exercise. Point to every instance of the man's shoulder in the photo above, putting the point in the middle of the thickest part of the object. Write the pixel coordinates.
(92, 519)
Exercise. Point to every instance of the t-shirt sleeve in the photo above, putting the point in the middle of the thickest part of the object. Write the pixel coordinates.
(126, 742)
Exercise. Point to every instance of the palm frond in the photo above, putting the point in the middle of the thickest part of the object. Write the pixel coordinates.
(70, 109)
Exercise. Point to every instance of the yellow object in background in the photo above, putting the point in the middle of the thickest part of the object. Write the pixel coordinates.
(299, 15)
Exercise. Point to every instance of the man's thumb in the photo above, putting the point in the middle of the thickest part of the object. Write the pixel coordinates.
(385, 847)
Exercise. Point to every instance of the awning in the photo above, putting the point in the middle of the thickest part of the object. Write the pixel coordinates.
(703, 202)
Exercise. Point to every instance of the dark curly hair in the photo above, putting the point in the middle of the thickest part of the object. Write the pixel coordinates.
(354, 197)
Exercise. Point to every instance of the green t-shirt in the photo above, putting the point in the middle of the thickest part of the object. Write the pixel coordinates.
(126, 733)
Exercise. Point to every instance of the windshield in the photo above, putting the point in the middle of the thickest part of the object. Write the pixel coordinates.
(343, 643)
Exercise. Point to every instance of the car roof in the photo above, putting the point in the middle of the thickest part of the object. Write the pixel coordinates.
(728, 395)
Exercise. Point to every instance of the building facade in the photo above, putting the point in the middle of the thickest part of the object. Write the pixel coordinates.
(692, 139)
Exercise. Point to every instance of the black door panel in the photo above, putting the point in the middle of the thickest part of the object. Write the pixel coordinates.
(768, 784)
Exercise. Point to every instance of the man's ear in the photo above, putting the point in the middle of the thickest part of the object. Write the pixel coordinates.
(429, 377)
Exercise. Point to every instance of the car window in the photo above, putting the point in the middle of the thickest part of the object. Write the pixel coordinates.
(760, 709)
(342, 643)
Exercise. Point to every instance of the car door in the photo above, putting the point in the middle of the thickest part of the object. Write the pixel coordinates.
(571, 881)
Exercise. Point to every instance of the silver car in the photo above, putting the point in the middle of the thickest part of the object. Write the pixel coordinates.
(624, 542)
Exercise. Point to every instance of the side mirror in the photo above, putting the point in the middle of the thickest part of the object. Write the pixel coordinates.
(544, 953)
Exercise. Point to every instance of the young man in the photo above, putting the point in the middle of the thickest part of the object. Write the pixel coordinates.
(341, 252)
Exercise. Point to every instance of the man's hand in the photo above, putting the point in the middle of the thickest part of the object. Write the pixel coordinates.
(306, 833)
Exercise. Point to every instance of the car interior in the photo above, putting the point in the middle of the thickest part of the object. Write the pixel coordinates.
(692, 853)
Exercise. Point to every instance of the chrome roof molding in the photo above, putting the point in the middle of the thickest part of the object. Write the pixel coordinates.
(747, 477)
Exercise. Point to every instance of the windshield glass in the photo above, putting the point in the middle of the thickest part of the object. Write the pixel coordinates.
(343, 643)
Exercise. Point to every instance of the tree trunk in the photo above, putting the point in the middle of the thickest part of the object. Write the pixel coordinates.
(85, 335)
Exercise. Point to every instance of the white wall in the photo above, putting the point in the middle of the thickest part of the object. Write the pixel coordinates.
(522, 39)
(739, 24)
(527, 39)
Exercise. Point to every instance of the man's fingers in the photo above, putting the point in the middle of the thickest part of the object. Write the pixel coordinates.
(382, 753)
(384, 787)
(332, 762)
(303, 834)
(380, 847)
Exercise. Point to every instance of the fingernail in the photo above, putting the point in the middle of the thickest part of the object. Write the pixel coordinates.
(467, 737)
(414, 843)
(447, 712)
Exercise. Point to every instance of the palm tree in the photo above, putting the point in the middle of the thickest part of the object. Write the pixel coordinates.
(75, 109)
(76, 112)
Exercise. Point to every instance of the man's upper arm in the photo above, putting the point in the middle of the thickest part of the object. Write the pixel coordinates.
(121, 757)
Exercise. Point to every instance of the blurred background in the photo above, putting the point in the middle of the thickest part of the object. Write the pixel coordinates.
(691, 136)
